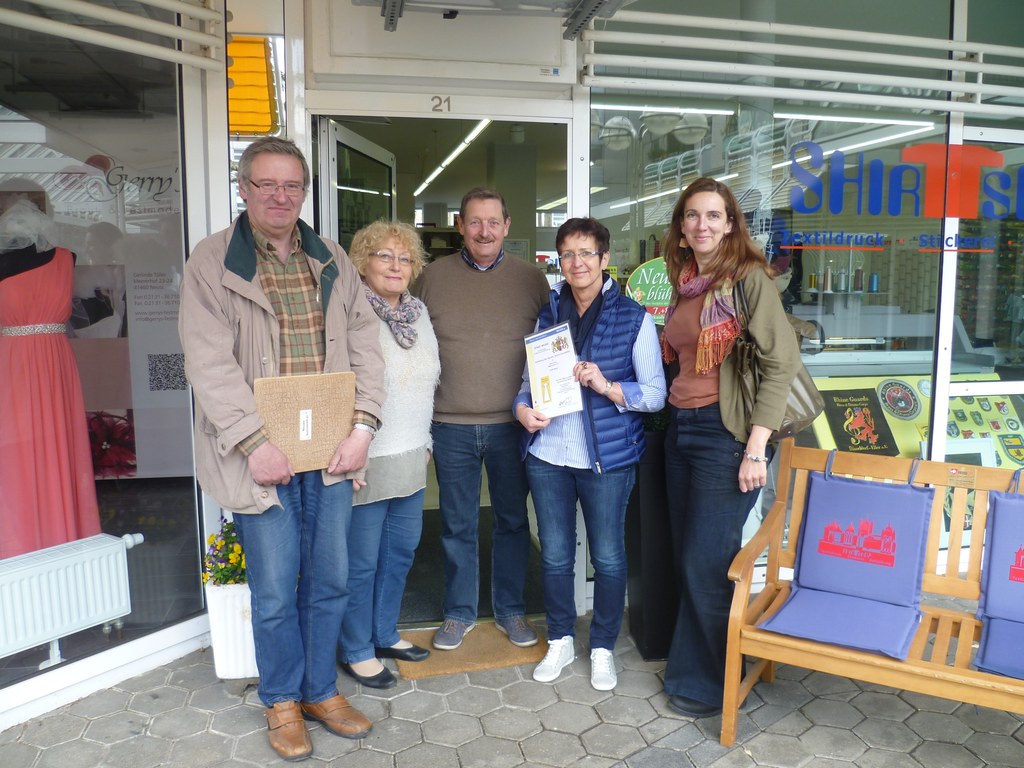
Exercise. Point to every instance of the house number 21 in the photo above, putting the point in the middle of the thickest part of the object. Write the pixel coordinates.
(441, 103)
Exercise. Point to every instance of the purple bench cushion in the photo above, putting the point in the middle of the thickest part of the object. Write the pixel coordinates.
(848, 621)
(1001, 607)
(1002, 579)
(1002, 648)
(857, 581)
(864, 539)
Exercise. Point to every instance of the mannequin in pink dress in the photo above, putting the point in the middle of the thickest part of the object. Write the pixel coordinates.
(47, 488)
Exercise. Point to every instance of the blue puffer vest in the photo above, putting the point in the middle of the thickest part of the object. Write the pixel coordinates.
(614, 440)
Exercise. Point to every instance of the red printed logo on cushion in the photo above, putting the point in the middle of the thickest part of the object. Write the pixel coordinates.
(862, 545)
(1017, 569)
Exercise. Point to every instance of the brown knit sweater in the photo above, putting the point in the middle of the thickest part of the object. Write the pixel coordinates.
(480, 319)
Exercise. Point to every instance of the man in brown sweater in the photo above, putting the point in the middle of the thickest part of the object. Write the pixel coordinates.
(481, 304)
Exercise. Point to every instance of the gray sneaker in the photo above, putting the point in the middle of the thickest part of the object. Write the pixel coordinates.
(449, 636)
(518, 629)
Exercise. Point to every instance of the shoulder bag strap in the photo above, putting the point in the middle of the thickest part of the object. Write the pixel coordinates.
(739, 298)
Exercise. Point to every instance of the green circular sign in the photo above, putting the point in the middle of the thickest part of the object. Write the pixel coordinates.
(648, 285)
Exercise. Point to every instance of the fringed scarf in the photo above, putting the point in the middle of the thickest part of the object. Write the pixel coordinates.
(719, 325)
(399, 319)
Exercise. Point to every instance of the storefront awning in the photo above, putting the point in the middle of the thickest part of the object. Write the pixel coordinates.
(252, 88)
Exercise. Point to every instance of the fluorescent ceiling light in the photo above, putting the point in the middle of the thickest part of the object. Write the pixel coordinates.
(476, 131)
(925, 127)
(666, 110)
(362, 191)
(885, 140)
(563, 200)
(554, 204)
(675, 191)
(847, 119)
(648, 197)
(454, 154)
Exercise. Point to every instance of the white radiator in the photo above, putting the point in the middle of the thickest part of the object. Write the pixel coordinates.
(51, 593)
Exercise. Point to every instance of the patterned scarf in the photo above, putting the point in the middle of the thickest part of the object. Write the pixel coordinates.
(400, 318)
(719, 325)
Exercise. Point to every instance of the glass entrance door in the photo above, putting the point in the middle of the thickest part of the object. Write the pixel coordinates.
(357, 182)
(421, 166)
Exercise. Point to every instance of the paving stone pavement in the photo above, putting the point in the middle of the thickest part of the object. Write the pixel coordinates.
(181, 716)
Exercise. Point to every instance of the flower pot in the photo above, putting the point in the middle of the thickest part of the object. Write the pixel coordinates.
(234, 652)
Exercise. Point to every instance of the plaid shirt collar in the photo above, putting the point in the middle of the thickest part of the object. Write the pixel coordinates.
(264, 247)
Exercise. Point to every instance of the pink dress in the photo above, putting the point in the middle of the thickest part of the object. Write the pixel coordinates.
(47, 488)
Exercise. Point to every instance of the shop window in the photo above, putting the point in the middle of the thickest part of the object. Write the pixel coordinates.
(849, 197)
(91, 140)
(986, 430)
(990, 262)
(819, 193)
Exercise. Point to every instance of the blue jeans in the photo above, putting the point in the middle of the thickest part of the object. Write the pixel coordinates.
(459, 452)
(297, 563)
(603, 499)
(707, 510)
(382, 541)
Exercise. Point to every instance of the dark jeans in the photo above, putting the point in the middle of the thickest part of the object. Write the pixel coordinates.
(706, 511)
(460, 452)
(603, 499)
(297, 564)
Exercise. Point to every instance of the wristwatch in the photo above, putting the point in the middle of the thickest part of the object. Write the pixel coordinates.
(365, 428)
(608, 387)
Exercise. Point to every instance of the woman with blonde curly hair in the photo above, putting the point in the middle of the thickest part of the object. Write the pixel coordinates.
(387, 518)
(716, 462)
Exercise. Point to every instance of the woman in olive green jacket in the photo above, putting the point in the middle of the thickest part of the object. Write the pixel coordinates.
(716, 462)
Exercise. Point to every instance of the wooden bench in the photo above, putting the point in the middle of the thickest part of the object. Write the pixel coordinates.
(939, 662)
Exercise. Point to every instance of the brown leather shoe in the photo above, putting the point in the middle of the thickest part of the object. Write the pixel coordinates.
(287, 731)
(339, 717)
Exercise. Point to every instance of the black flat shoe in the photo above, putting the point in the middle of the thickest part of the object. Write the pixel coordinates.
(383, 679)
(412, 653)
(686, 707)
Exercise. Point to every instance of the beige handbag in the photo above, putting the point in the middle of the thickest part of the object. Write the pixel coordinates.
(804, 402)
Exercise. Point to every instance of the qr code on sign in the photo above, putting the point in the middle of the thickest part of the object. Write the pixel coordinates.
(167, 372)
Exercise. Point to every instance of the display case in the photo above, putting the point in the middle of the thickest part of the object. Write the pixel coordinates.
(439, 241)
(876, 306)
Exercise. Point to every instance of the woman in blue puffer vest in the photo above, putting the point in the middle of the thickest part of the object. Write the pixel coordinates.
(590, 456)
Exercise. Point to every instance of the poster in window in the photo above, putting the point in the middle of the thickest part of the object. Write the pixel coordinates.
(857, 422)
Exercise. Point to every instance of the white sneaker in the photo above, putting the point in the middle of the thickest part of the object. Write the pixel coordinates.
(602, 669)
(561, 654)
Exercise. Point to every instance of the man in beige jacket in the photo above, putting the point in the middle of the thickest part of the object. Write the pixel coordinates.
(268, 297)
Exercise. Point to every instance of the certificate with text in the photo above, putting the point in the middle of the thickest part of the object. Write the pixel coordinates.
(550, 358)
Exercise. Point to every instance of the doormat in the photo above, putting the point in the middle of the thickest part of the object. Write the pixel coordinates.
(483, 648)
